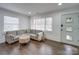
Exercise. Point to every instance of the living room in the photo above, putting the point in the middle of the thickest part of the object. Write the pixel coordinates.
(39, 29)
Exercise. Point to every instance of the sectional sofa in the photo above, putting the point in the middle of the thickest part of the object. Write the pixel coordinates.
(13, 36)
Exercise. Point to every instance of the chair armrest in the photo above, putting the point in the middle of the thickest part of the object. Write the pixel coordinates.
(40, 36)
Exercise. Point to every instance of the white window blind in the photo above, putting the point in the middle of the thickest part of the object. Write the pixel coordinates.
(42, 24)
(33, 24)
(11, 23)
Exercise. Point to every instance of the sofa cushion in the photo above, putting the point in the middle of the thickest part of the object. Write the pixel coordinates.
(12, 32)
(17, 32)
(22, 32)
(33, 31)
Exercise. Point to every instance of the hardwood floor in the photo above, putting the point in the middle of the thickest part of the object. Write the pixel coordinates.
(39, 48)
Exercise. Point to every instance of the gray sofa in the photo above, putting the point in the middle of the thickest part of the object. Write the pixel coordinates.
(13, 36)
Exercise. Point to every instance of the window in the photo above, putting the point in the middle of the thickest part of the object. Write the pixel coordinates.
(42, 24)
(33, 24)
(38, 24)
(69, 28)
(68, 37)
(49, 24)
(11, 23)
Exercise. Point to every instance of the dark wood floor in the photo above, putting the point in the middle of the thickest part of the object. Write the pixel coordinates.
(39, 48)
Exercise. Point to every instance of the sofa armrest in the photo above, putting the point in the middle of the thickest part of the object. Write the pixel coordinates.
(40, 36)
(9, 38)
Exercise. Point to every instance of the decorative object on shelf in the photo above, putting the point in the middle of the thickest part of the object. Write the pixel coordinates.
(69, 28)
(69, 20)
(68, 37)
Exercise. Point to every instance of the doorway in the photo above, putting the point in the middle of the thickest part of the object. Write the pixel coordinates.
(70, 28)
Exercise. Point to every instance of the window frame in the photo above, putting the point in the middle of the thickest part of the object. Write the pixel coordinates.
(10, 23)
(50, 24)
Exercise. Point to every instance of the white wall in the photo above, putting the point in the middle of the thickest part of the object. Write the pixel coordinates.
(23, 21)
(56, 22)
(56, 26)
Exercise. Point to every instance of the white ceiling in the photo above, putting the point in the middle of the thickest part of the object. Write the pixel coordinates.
(36, 8)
